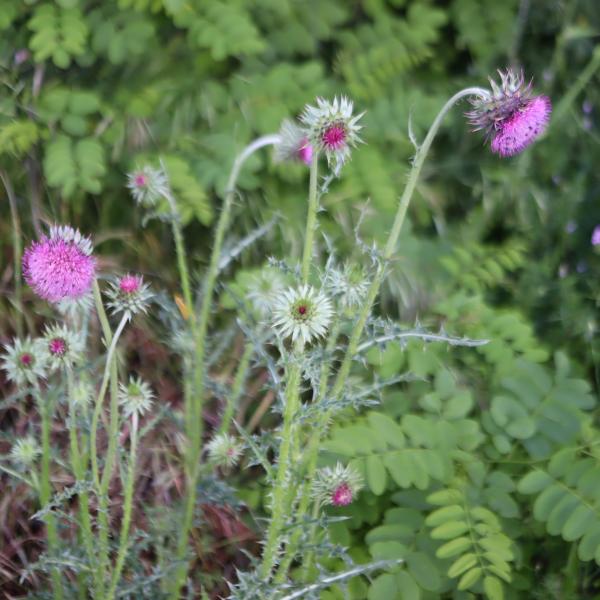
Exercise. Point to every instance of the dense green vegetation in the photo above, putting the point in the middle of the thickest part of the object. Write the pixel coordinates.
(481, 464)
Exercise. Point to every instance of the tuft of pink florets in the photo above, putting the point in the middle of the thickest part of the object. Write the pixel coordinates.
(342, 495)
(60, 266)
(130, 284)
(305, 152)
(523, 127)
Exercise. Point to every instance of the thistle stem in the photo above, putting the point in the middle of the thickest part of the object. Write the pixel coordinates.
(193, 417)
(127, 508)
(389, 250)
(311, 218)
(45, 490)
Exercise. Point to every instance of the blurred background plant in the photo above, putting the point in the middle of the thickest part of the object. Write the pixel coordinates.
(497, 249)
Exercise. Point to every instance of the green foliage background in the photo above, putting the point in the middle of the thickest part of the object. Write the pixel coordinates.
(485, 474)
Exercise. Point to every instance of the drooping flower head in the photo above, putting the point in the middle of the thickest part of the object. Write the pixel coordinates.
(136, 397)
(224, 450)
(264, 289)
(63, 348)
(60, 266)
(147, 185)
(25, 451)
(349, 284)
(596, 236)
(293, 144)
(510, 116)
(129, 295)
(303, 314)
(24, 361)
(332, 129)
(337, 486)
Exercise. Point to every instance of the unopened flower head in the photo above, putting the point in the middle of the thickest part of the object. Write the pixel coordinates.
(129, 295)
(136, 397)
(332, 129)
(224, 450)
(264, 288)
(303, 314)
(349, 284)
(82, 392)
(147, 185)
(60, 266)
(293, 144)
(337, 486)
(25, 451)
(24, 361)
(509, 115)
(62, 347)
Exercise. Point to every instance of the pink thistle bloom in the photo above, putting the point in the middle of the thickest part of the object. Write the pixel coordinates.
(342, 495)
(60, 266)
(305, 152)
(523, 127)
(596, 236)
(510, 116)
(129, 284)
(140, 180)
(334, 137)
(293, 144)
(129, 295)
(57, 346)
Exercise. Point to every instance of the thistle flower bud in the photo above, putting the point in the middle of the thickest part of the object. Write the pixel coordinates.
(332, 129)
(24, 361)
(293, 144)
(60, 266)
(63, 348)
(303, 314)
(224, 450)
(509, 115)
(337, 486)
(147, 185)
(349, 284)
(136, 397)
(25, 451)
(264, 288)
(129, 295)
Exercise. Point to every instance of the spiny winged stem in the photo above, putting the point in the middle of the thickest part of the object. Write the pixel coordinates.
(127, 508)
(193, 417)
(103, 483)
(45, 489)
(79, 470)
(292, 398)
(390, 247)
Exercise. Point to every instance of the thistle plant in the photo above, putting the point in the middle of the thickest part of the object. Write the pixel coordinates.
(311, 324)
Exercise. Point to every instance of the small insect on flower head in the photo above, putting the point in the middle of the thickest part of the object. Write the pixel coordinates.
(24, 361)
(25, 451)
(60, 266)
(510, 115)
(303, 313)
(136, 397)
(224, 450)
(147, 185)
(129, 295)
(337, 486)
(293, 144)
(63, 348)
(332, 129)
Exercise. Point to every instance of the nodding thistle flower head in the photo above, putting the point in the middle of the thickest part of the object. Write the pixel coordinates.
(147, 185)
(332, 129)
(136, 397)
(60, 266)
(303, 313)
(349, 284)
(510, 115)
(129, 295)
(224, 450)
(24, 361)
(62, 347)
(264, 288)
(337, 486)
(293, 144)
(25, 451)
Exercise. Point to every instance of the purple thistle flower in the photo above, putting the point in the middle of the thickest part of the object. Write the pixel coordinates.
(509, 115)
(596, 236)
(60, 266)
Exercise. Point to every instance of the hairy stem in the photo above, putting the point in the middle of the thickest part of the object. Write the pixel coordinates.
(17, 249)
(193, 417)
(311, 218)
(45, 491)
(127, 508)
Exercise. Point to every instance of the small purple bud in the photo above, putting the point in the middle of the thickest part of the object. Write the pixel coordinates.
(596, 236)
